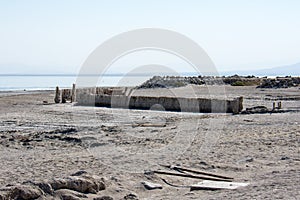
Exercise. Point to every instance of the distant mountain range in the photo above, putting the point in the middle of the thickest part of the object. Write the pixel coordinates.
(288, 70)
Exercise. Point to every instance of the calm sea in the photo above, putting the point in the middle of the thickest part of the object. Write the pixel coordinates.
(49, 82)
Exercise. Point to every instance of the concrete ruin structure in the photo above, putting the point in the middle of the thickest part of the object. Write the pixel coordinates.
(118, 98)
(124, 98)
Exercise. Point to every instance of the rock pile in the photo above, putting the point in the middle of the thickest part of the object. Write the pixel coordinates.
(179, 81)
(280, 82)
(164, 82)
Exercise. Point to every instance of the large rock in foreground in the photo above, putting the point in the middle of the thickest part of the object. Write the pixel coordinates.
(72, 187)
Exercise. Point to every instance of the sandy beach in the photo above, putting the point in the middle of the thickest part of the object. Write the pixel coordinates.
(40, 141)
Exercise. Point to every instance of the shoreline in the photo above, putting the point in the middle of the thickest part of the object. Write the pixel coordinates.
(66, 84)
(22, 92)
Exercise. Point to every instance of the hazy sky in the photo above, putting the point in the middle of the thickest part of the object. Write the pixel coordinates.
(51, 36)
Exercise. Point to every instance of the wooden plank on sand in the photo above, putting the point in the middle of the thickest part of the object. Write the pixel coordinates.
(217, 185)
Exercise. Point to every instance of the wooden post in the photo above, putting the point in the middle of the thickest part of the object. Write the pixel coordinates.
(57, 95)
(279, 106)
(63, 96)
(274, 105)
(73, 93)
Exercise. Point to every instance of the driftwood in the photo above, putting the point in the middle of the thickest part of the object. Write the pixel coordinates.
(191, 176)
(148, 125)
(173, 185)
(197, 172)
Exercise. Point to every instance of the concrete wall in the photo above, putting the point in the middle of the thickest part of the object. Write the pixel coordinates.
(168, 103)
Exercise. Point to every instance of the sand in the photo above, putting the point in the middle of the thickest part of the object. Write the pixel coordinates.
(41, 141)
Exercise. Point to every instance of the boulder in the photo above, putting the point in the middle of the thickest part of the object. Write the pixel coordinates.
(24, 192)
(66, 194)
(71, 188)
(84, 184)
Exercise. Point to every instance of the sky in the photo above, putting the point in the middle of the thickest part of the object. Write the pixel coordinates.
(58, 35)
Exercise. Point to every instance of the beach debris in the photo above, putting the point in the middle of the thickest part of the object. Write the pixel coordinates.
(66, 130)
(183, 169)
(103, 198)
(247, 159)
(190, 176)
(71, 139)
(173, 185)
(151, 186)
(110, 128)
(217, 185)
(263, 109)
(210, 181)
(255, 110)
(148, 125)
(248, 120)
(57, 95)
(131, 196)
(284, 158)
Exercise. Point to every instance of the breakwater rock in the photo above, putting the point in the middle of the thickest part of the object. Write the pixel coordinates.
(180, 81)
(280, 82)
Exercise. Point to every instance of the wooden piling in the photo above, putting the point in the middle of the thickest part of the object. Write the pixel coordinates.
(279, 106)
(57, 95)
(65, 95)
(73, 93)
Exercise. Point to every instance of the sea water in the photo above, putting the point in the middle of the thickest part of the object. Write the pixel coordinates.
(49, 82)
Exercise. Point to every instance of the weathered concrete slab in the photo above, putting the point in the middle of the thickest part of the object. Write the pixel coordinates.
(167, 103)
(123, 98)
